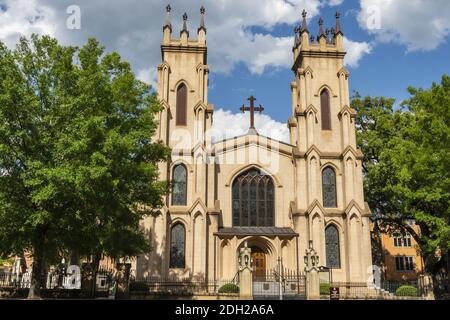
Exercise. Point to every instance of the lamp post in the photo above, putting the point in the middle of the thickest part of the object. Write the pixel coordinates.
(311, 257)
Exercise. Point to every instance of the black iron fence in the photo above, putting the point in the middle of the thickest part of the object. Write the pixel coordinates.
(392, 286)
(182, 286)
(289, 284)
(56, 285)
(364, 290)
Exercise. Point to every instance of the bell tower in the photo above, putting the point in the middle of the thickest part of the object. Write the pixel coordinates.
(321, 114)
(185, 115)
(183, 86)
(322, 129)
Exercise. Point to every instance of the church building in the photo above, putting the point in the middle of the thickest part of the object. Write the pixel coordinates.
(278, 198)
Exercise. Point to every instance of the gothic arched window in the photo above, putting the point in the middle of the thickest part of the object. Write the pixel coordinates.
(332, 247)
(253, 200)
(179, 185)
(325, 109)
(177, 246)
(329, 188)
(181, 113)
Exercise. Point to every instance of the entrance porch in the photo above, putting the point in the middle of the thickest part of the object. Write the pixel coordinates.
(268, 245)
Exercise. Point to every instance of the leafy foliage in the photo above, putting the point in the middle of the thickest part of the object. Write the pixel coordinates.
(325, 289)
(407, 162)
(6, 262)
(406, 291)
(229, 288)
(78, 169)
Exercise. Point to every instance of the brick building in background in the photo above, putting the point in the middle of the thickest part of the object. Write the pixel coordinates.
(397, 254)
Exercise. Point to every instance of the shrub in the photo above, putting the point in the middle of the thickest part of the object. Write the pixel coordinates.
(229, 288)
(139, 287)
(324, 289)
(406, 291)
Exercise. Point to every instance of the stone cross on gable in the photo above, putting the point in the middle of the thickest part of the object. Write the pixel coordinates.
(252, 110)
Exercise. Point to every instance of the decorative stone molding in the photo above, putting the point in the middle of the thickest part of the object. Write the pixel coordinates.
(343, 71)
(325, 86)
(292, 122)
(347, 109)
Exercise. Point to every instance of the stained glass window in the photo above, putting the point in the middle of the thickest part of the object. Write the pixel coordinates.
(329, 188)
(177, 245)
(253, 200)
(332, 247)
(179, 187)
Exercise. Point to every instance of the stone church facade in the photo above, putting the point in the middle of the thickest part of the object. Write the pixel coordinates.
(278, 197)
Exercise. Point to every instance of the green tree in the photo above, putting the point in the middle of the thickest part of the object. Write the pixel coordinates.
(407, 163)
(78, 168)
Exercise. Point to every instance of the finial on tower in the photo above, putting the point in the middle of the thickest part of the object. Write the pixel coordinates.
(297, 37)
(304, 23)
(185, 29)
(338, 24)
(202, 19)
(167, 19)
(321, 26)
(321, 31)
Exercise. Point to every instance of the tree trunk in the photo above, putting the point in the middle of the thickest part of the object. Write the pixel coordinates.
(38, 265)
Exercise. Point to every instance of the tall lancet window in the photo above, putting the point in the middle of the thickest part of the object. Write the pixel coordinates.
(332, 247)
(325, 110)
(253, 200)
(177, 246)
(181, 114)
(329, 188)
(179, 185)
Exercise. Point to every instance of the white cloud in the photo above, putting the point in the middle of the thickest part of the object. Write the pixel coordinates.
(228, 125)
(149, 76)
(418, 24)
(23, 18)
(255, 53)
(134, 27)
(335, 2)
(355, 52)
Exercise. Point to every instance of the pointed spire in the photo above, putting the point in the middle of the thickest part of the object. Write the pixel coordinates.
(321, 31)
(332, 35)
(185, 29)
(304, 22)
(297, 37)
(327, 35)
(202, 19)
(167, 19)
(338, 24)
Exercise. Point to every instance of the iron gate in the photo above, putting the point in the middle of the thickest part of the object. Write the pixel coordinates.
(290, 285)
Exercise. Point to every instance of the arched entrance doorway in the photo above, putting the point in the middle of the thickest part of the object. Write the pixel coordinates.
(263, 255)
(259, 263)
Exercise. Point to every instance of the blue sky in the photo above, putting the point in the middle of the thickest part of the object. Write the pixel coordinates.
(392, 44)
(388, 71)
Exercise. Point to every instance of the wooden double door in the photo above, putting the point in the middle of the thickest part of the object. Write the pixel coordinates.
(259, 263)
